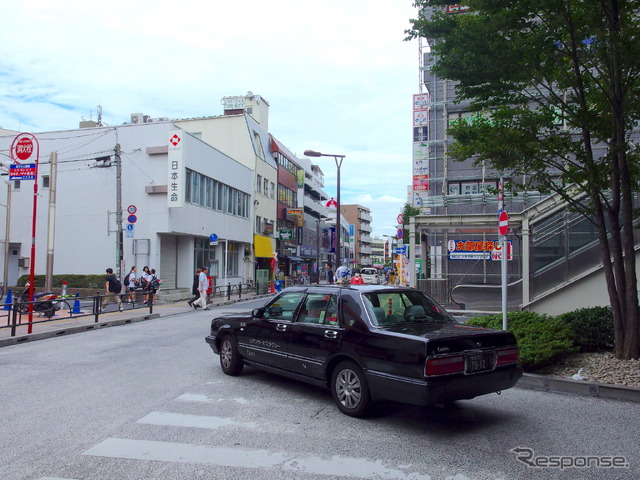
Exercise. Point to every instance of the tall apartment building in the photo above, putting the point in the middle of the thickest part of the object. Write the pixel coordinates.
(359, 219)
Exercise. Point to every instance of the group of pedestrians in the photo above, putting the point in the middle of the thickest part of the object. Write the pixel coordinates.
(147, 282)
(199, 289)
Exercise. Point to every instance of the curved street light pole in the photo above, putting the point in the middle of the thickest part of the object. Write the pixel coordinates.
(338, 159)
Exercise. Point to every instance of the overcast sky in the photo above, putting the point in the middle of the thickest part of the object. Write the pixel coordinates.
(337, 75)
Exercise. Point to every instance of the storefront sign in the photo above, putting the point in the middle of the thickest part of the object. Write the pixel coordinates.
(477, 250)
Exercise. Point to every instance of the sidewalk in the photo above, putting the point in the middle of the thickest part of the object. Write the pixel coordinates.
(67, 326)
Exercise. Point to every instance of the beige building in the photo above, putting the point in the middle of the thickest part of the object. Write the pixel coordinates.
(359, 219)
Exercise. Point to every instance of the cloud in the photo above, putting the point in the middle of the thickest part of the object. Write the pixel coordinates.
(337, 74)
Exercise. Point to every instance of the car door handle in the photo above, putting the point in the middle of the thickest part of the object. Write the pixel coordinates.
(281, 327)
(331, 334)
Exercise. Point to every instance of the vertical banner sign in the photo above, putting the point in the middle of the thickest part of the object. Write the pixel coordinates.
(420, 184)
(175, 169)
(25, 148)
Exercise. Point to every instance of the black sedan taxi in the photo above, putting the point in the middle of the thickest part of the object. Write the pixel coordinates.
(368, 343)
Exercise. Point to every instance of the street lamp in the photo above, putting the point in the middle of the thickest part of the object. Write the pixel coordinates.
(338, 159)
(318, 220)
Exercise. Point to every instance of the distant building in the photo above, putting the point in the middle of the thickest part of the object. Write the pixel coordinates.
(359, 219)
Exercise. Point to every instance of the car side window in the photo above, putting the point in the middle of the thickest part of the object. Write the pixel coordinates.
(283, 307)
(320, 309)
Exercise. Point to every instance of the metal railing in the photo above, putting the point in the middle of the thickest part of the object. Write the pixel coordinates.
(19, 313)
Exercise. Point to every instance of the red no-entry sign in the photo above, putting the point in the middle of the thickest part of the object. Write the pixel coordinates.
(503, 223)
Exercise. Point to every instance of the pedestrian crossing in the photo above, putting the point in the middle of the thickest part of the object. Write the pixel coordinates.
(250, 451)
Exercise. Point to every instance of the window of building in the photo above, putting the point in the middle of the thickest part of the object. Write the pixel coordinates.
(45, 181)
(233, 258)
(208, 192)
(204, 255)
(258, 224)
(259, 183)
(272, 191)
(266, 186)
(257, 145)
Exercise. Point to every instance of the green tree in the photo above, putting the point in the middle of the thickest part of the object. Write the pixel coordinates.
(407, 212)
(556, 87)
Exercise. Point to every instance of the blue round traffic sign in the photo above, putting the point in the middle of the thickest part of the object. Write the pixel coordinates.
(213, 237)
(132, 219)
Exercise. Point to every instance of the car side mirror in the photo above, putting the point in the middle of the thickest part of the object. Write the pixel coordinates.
(257, 312)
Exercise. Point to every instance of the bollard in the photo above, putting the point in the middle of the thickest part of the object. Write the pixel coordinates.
(76, 304)
(8, 301)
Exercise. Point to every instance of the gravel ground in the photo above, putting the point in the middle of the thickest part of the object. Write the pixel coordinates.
(597, 367)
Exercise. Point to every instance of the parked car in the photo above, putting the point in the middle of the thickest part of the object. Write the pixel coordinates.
(368, 343)
(371, 276)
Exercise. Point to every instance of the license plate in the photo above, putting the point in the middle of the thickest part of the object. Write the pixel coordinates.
(478, 362)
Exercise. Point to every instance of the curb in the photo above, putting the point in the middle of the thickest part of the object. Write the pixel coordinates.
(531, 381)
(74, 329)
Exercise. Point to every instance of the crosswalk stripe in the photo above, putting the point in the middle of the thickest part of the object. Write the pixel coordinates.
(192, 421)
(345, 467)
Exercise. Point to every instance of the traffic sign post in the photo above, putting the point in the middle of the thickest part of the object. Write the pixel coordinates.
(25, 147)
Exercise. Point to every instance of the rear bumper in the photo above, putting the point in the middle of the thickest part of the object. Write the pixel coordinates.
(437, 390)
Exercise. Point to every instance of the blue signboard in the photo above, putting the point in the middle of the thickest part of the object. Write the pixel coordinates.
(26, 171)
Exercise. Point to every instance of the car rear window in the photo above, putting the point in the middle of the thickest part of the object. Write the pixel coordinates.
(403, 307)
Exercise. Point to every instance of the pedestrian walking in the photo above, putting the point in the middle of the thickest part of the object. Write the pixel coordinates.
(112, 287)
(203, 284)
(329, 273)
(131, 283)
(194, 288)
(145, 278)
(152, 286)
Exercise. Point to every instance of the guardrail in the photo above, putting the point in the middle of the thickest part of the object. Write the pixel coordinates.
(19, 313)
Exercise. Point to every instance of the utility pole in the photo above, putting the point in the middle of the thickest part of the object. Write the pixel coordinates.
(53, 175)
(120, 233)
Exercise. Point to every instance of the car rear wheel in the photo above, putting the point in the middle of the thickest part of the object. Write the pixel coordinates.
(350, 389)
(230, 360)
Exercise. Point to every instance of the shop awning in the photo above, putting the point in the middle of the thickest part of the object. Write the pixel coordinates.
(263, 246)
(295, 259)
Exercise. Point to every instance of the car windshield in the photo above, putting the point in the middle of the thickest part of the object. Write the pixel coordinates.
(387, 308)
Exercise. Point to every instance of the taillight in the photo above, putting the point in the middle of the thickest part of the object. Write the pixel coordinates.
(507, 356)
(444, 365)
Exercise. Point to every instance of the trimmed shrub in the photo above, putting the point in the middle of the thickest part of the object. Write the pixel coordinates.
(541, 338)
(73, 281)
(592, 327)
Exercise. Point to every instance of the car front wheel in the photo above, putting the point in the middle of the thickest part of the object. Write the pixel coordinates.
(230, 360)
(350, 389)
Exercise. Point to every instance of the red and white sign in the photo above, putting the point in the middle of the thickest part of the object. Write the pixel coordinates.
(132, 209)
(332, 203)
(400, 219)
(503, 223)
(24, 148)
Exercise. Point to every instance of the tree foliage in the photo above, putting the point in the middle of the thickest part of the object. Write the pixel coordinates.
(556, 88)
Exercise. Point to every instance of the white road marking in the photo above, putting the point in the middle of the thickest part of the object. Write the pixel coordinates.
(194, 397)
(346, 467)
(192, 421)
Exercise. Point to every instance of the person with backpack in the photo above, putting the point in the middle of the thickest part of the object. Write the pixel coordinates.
(153, 285)
(131, 282)
(112, 288)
